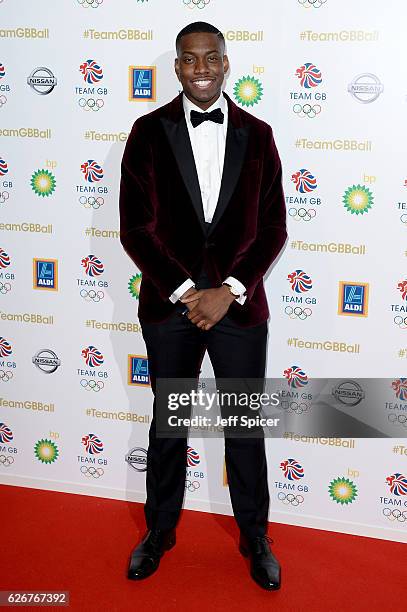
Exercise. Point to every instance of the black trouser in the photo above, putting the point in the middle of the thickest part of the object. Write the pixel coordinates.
(175, 349)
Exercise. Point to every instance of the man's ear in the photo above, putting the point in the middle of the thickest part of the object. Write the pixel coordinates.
(176, 67)
(225, 63)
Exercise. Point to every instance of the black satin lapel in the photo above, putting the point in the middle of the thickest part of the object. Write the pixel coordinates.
(235, 150)
(178, 137)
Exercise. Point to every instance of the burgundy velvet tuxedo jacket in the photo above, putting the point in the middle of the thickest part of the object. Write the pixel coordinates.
(161, 215)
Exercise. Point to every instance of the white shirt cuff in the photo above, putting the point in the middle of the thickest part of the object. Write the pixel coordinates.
(179, 292)
(238, 286)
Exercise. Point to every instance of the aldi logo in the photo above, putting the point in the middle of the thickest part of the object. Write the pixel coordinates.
(45, 274)
(353, 299)
(142, 83)
(138, 372)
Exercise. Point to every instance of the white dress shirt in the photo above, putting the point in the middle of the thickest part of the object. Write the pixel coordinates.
(208, 141)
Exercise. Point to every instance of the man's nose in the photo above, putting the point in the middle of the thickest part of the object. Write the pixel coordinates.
(201, 66)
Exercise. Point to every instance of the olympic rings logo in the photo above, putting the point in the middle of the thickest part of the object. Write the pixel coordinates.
(6, 460)
(3, 100)
(94, 296)
(91, 472)
(403, 218)
(196, 3)
(398, 418)
(5, 376)
(91, 202)
(395, 514)
(297, 312)
(290, 498)
(91, 104)
(302, 214)
(90, 3)
(5, 288)
(92, 385)
(296, 407)
(400, 322)
(306, 110)
(4, 195)
(192, 485)
(312, 3)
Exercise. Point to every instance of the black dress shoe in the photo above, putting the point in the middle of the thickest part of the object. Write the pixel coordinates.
(146, 557)
(264, 567)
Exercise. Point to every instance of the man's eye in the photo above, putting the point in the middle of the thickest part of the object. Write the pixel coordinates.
(213, 58)
(188, 60)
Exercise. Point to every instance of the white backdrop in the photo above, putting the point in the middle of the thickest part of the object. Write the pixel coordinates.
(331, 80)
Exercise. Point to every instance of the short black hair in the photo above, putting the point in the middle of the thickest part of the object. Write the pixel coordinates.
(198, 27)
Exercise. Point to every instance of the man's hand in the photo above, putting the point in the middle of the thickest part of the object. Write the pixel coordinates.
(190, 295)
(209, 306)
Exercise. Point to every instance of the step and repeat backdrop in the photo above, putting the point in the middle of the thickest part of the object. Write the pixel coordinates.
(75, 400)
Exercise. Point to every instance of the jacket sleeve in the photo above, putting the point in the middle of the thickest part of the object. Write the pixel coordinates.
(138, 216)
(271, 224)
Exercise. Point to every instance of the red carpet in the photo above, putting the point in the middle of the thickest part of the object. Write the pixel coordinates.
(81, 544)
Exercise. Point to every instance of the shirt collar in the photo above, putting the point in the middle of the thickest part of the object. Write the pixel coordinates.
(188, 106)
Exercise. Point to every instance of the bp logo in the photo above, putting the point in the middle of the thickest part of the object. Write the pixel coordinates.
(358, 199)
(248, 91)
(134, 286)
(342, 490)
(46, 451)
(43, 183)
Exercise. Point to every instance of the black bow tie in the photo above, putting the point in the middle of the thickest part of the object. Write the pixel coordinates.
(215, 115)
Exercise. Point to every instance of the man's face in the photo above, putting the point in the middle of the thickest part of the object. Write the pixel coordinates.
(201, 67)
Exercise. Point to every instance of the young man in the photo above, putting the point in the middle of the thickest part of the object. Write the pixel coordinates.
(202, 216)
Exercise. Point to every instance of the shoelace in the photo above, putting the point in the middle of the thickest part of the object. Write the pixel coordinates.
(261, 544)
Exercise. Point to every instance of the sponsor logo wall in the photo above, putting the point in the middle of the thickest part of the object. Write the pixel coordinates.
(75, 395)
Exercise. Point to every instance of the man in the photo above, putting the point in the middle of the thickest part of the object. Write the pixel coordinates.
(202, 215)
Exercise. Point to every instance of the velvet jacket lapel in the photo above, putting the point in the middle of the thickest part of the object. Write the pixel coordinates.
(236, 143)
